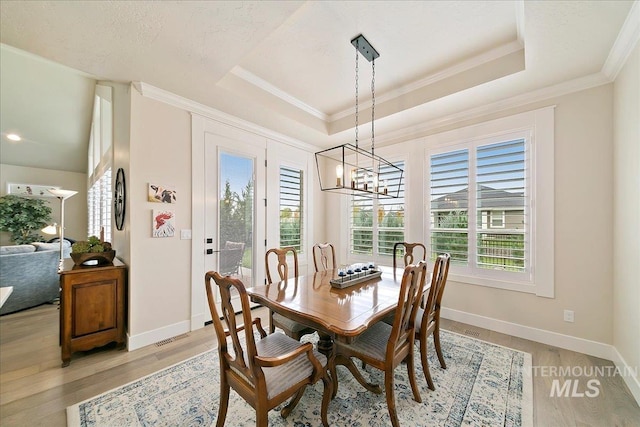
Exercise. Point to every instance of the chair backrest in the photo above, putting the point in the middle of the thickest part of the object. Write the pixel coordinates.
(282, 266)
(411, 288)
(438, 282)
(225, 326)
(408, 256)
(323, 252)
(231, 257)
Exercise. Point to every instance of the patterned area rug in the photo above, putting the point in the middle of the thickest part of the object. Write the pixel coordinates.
(483, 385)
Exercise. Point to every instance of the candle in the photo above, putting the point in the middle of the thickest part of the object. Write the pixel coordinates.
(339, 172)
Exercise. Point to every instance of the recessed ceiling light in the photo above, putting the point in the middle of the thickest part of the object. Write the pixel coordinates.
(14, 137)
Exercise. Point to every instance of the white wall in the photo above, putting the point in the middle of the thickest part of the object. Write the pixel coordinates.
(159, 268)
(583, 230)
(626, 219)
(75, 208)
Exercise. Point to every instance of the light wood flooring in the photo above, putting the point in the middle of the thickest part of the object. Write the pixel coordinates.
(35, 390)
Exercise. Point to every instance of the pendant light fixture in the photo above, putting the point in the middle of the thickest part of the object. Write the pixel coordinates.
(350, 169)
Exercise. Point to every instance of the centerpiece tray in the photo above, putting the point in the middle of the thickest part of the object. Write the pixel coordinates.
(345, 282)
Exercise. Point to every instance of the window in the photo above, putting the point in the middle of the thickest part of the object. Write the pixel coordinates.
(99, 204)
(378, 223)
(291, 207)
(498, 173)
(481, 202)
(99, 196)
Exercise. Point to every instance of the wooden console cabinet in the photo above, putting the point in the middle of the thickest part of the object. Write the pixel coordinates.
(92, 307)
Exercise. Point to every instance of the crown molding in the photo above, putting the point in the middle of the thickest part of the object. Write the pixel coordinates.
(279, 93)
(152, 92)
(469, 64)
(625, 43)
(549, 92)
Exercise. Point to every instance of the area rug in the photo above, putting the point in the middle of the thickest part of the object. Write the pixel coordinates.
(484, 385)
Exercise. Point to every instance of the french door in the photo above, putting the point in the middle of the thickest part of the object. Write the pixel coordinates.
(235, 207)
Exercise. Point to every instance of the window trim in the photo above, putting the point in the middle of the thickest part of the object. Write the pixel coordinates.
(346, 211)
(539, 124)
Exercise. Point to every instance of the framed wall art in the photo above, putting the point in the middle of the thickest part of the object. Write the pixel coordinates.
(161, 194)
(30, 190)
(163, 223)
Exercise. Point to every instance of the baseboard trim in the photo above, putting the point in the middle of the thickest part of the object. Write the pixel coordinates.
(581, 345)
(632, 381)
(151, 337)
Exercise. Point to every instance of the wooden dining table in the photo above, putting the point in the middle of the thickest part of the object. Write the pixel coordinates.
(336, 313)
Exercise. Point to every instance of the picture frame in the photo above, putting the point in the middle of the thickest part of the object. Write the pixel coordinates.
(30, 190)
(163, 223)
(157, 193)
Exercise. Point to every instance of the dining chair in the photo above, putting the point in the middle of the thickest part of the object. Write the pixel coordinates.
(407, 259)
(324, 253)
(384, 346)
(264, 372)
(428, 316)
(290, 327)
(231, 258)
(407, 253)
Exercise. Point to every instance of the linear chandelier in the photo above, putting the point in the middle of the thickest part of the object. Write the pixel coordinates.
(350, 169)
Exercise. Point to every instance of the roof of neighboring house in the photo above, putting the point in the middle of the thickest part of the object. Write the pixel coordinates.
(490, 198)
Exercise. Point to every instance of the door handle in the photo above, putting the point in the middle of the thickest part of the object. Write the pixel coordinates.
(211, 251)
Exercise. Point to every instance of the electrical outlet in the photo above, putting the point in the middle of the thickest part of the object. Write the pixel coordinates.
(568, 316)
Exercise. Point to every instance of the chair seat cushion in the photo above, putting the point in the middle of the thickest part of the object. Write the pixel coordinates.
(288, 324)
(281, 378)
(372, 342)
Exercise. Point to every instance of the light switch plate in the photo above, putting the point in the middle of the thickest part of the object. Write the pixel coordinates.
(185, 234)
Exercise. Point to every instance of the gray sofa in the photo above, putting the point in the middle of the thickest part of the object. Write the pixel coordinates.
(32, 271)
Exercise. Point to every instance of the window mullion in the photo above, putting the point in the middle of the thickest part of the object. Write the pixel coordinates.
(472, 217)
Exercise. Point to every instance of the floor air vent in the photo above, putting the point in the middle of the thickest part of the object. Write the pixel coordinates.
(170, 340)
(472, 333)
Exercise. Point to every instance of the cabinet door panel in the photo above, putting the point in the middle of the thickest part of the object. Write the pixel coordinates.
(94, 307)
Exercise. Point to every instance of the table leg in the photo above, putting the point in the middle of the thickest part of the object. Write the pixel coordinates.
(325, 344)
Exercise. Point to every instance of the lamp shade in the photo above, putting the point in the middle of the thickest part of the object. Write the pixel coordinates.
(50, 229)
(62, 194)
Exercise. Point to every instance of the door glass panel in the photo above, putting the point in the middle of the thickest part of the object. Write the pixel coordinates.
(236, 210)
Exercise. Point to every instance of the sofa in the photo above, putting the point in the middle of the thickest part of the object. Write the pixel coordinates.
(32, 271)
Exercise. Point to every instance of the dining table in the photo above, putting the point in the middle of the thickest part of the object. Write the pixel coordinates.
(337, 313)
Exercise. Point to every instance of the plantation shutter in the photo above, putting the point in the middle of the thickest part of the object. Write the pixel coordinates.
(390, 211)
(449, 183)
(291, 207)
(99, 206)
(500, 206)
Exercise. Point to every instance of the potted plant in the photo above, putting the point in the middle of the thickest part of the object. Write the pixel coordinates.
(23, 217)
(92, 249)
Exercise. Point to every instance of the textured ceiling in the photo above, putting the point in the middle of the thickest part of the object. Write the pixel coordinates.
(288, 65)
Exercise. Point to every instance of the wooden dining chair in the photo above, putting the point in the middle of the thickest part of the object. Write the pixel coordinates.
(408, 256)
(290, 327)
(384, 346)
(428, 316)
(264, 372)
(407, 259)
(324, 256)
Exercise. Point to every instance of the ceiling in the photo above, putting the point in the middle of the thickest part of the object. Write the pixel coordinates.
(289, 65)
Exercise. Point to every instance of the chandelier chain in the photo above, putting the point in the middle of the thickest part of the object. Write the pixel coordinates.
(357, 54)
(373, 102)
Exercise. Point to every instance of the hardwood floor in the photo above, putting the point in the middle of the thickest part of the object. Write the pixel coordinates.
(35, 390)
